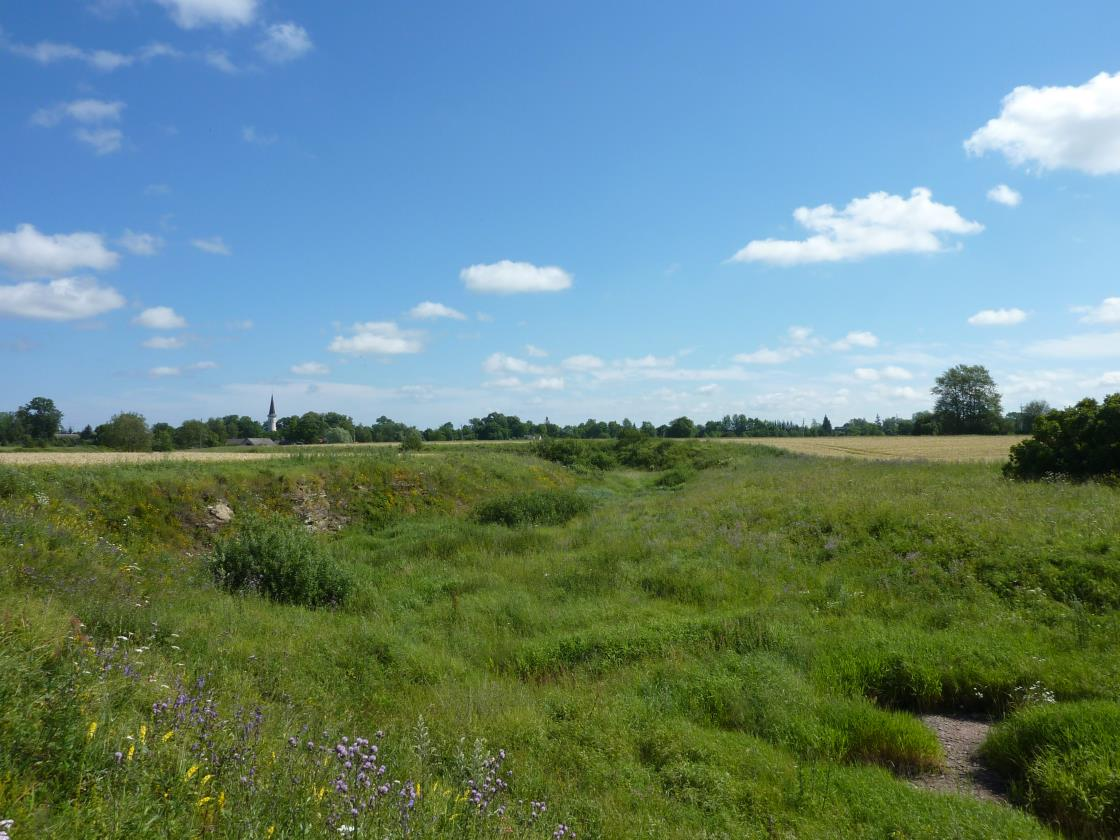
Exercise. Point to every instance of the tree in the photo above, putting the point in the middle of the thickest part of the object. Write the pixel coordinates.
(968, 402)
(163, 437)
(338, 434)
(1079, 443)
(127, 432)
(1023, 420)
(826, 426)
(411, 441)
(924, 423)
(40, 418)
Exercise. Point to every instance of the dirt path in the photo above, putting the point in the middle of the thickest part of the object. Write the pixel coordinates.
(961, 739)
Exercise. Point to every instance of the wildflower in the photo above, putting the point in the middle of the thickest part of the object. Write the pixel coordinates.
(92, 730)
(143, 732)
(119, 756)
(190, 773)
(131, 751)
(206, 779)
(204, 800)
(167, 735)
(5, 827)
(222, 799)
(271, 831)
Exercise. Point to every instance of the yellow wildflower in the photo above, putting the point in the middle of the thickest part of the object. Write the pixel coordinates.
(204, 800)
(131, 751)
(222, 799)
(319, 793)
(92, 730)
(167, 735)
(271, 830)
(143, 732)
(190, 773)
(206, 778)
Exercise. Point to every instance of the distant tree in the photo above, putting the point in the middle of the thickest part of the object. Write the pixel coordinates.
(411, 441)
(163, 437)
(1079, 442)
(1024, 419)
(126, 432)
(11, 432)
(682, 427)
(337, 434)
(648, 429)
(40, 419)
(86, 434)
(193, 434)
(826, 426)
(967, 402)
(362, 434)
(310, 428)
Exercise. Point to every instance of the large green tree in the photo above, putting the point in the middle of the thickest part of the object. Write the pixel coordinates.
(967, 402)
(127, 432)
(40, 418)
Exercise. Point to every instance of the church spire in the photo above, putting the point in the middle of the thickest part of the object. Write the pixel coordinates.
(272, 414)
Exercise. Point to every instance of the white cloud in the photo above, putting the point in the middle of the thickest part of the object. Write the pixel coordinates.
(50, 52)
(429, 310)
(203, 366)
(1003, 194)
(29, 253)
(250, 135)
(544, 383)
(766, 356)
(104, 141)
(649, 361)
(284, 42)
(85, 111)
(1083, 346)
(64, 299)
(501, 363)
(163, 371)
(383, 338)
(710, 388)
(1106, 312)
(164, 342)
(549, 383)
(191, 14)
(160, 318)
(220, 60)
(141, 244)
(245, 324)
(871, 226)
(583, 362)
(508, 277)
(858, 338)
(535, 352)
(874, 375)
(998, 317)
(310, 369)
(1072, 127)
(212, 245)
(1108, 379)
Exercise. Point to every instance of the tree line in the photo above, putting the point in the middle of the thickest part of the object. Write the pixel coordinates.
(967, 402)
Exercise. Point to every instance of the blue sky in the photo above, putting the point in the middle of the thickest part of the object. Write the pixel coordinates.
(641, 209)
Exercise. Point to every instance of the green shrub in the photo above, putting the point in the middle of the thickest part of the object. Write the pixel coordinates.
(571, 452)
(1063, 761)
(535, 507)
(278, 558)
(1079, 443)
(412, 442)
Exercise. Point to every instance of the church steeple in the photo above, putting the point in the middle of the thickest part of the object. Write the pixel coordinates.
(272, 414)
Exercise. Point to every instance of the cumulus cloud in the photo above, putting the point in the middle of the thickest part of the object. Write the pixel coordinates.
(164, 342)
(508, 277)
(212, 245)
(998, 317)
(543, 383)
(1071, 127)
(1003, 194)
(203, 366)
(160, 318)
(310, 369)
(27, 252)
(164, 370)
(379, 338)
(51, 52)
(229, 14)
(583, 362)
(91, 116)
(284, 42)
(430, 310)
(877, 224)
(141, 244)
(501, 363)
(876, 374)
(535, 352)
(64, 299)
(858, 338)
(1106, 312)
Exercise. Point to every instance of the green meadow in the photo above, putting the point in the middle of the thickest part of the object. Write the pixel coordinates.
(719, 642)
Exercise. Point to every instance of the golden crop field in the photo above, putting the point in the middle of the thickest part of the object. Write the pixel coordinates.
(902, 448)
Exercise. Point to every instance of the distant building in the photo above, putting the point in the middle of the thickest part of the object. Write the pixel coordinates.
(272, 414)
(251, 442)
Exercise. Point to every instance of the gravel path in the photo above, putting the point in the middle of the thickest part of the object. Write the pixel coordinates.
(961, 738)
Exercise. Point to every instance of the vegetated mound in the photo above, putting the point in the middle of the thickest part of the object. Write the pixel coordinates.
(636, 451)
(1079, 443)
(1063, 761)
(534, 507)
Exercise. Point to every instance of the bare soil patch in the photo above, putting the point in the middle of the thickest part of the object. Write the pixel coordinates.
(963, 773)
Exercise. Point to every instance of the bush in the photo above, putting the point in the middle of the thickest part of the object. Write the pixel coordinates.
(1063, 761)
(278, 558)
(1080, 442)
(572, 452)
(412, 442)
(536, 507)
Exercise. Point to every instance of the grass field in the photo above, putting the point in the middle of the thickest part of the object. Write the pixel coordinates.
(740, 651)
(954, 448)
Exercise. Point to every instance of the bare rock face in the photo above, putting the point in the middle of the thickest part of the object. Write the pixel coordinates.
(220, 514)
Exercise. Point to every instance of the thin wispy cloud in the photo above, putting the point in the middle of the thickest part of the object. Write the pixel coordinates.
(212, 245)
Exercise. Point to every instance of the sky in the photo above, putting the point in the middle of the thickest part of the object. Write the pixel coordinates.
(432, 211)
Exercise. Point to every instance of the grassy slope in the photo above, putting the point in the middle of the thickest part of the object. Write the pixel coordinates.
(699, 662)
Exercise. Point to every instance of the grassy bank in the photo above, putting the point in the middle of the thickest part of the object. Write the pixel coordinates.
(737, 652)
